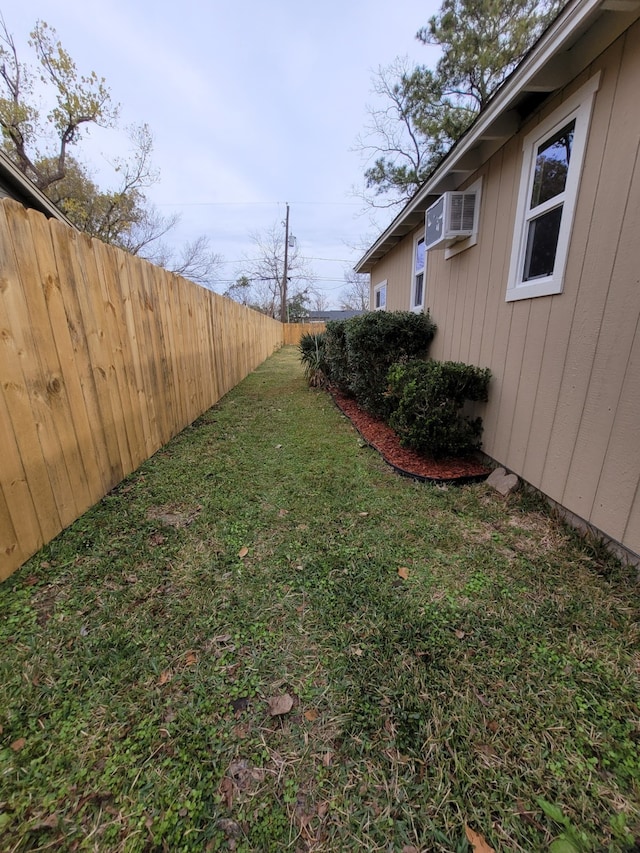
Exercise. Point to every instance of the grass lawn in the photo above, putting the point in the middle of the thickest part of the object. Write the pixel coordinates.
(266, 640)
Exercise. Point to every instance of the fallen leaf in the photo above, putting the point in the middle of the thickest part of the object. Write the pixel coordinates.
(363, 514)
(327, 759)
(230, 828)
(477, 841)
(17, 745)
(403, 572)
(165, 677)
(493, 726)
(357, 651)
(409, 848)
(482, 699)
(50, 822)
(460, 634)
(311, 715)
(322, 809)
(279, 705)
(242, 553)
(282, 513)
(226, 789)
(191, 659)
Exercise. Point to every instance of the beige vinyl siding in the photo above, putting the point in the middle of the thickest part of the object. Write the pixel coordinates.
(564, 402)
(396, 269)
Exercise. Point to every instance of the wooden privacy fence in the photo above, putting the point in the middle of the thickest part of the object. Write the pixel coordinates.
(103, 358)
(294, 331)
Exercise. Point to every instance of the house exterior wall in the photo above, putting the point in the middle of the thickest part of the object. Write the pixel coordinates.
(396, 269)
(564, 409)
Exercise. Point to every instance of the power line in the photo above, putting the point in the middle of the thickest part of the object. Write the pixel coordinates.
(254, 203)
(306, 257)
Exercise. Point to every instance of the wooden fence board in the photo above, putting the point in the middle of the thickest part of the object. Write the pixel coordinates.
(103, 358)
(20, 376)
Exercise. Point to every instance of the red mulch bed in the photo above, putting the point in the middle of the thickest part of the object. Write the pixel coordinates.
(407, 462)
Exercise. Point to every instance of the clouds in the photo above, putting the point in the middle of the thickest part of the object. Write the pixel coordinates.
(251, 105)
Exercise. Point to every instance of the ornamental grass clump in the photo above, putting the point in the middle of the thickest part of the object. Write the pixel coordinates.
(313, 360)
(428, 399)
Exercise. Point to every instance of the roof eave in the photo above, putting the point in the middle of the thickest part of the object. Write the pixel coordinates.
(27, 192)
(563, 50)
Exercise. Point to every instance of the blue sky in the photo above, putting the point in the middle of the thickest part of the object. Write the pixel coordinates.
(251, 105)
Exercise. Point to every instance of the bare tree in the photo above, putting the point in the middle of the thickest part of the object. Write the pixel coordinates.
(265, 272)
(319, 301)
(355, 297)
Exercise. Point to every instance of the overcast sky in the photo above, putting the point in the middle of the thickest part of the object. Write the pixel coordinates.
(251, 105)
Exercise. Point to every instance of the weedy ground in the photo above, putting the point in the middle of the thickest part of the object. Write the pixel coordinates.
(461, 669)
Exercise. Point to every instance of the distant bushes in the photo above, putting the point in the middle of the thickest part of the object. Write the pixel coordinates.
(381, 359)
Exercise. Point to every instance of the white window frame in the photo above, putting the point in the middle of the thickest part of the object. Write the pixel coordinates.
(416, 271)
(380, 288)
(579, 107)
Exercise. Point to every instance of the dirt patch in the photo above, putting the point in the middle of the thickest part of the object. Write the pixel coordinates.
(174, 516)
(407, 462)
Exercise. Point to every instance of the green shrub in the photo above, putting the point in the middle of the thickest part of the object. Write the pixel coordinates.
(360, 351)
(335, 353)
(312, 356)
(428, 398)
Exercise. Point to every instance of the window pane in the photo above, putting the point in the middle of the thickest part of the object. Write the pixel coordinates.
(417, 296)
(542, 242)
(552, 165)
(420, 255)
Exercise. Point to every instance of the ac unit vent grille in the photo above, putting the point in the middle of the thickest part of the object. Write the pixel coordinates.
(452, 217)
(463, 208)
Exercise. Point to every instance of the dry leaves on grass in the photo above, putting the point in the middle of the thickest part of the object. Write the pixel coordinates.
(403, 572)
(477, 841)
(242, 553)
(279, 705)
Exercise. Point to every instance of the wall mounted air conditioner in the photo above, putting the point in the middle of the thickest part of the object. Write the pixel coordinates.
(451, 218)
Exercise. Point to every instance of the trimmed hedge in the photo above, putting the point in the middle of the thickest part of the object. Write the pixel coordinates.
(360, 351)
(427, 399)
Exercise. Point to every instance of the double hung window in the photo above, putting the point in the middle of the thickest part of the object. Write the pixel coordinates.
(552, 163)
(419, 271)
(380, 296)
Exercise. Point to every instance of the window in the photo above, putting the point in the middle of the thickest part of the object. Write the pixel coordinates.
(551, 167)
(419, 270)
(380, 296)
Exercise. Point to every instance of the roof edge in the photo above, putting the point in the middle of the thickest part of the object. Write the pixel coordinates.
(27, 190)
(496, 123)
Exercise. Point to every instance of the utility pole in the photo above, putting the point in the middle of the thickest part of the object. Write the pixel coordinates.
(283, 304)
